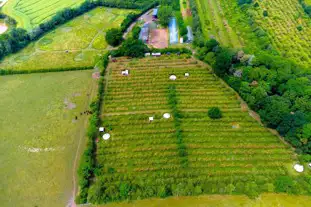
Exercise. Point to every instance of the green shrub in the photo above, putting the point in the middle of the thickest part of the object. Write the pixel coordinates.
(265, 13)
(214, 113)
(284, 184)
(300, 28)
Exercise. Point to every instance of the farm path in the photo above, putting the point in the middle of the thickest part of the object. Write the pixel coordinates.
(129, 29)
(81, 135)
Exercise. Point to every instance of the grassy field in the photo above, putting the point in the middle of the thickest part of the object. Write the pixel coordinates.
(271, 200)
(31, 13)
(77, 43)
(215, 24)
(282, 24)
(189, 150)
(40, 136)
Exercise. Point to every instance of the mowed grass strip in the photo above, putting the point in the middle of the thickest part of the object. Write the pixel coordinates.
(40, 135)
(147, 153)
(78, 43)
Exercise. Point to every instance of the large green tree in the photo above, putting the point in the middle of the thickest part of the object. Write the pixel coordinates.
(223, 61)
(114, 37)
(273, 110)
(133, 48)
(164, 15)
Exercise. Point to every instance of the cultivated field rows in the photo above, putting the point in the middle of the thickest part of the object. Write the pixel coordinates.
(215, 150)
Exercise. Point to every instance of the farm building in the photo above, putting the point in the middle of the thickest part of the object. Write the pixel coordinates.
(144, 33)
(189, 34)
(155, 13)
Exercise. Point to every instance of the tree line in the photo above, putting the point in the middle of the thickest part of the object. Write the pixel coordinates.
(275, 87)
(18, 38)
(132, 187)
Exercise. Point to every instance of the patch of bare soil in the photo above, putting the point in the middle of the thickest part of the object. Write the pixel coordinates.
(69, 105)
(159, 38)
(96, 75)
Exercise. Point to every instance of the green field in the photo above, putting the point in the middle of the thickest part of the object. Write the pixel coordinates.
(77, 43)
(31, 13)
(188, 153)
(216, 25)
(271, 200)
(284, 18)
(40, 136)
(224, 20)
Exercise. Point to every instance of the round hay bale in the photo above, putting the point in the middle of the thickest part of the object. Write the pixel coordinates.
(298, 168)
(166, 116)
(173, 77)
(106, 136)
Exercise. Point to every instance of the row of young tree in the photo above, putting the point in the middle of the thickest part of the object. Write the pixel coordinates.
(104, 190)
(18, 38)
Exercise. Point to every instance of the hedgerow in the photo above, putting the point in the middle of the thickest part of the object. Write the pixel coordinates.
(88, 163)
(14, 72)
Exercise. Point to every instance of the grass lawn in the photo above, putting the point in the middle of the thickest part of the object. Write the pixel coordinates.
(271, 200)
(40, 136)
(31, 13)
(74, 44)
(189, 153)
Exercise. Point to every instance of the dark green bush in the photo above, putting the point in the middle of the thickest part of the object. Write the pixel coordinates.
(214, 113)
(114, 37)
(265, 13)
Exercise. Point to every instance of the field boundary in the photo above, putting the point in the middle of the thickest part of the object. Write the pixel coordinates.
(4, 72)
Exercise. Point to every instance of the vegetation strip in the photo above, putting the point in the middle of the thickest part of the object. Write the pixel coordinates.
(88, 162)
(173, 103)
(14, 72)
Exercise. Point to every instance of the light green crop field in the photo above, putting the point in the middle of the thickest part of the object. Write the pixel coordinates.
(271, 200)
(284, 18)
(215, 24)
(188, 149)
(40, 136)
(31, 13)
(77, 43)
(308, 2)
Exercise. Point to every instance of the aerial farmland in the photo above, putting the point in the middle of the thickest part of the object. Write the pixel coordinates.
(155, 103)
